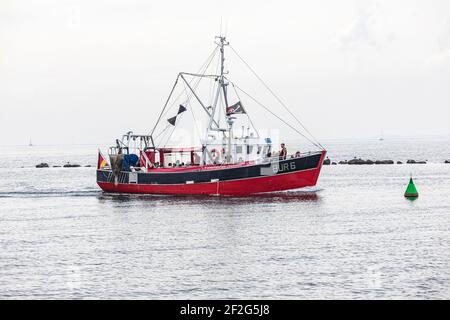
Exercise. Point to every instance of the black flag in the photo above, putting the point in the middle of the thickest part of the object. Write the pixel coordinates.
(181, 109)
(235, 108)
(174, 119)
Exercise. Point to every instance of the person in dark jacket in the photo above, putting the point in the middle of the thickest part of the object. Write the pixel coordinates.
(283, 152)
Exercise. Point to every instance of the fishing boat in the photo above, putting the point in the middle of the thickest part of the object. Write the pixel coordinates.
(231, 157)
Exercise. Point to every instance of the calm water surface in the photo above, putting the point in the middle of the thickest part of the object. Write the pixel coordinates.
(352, 236)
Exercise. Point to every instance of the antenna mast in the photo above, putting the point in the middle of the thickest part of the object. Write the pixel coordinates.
(222, 88)
(223, 85)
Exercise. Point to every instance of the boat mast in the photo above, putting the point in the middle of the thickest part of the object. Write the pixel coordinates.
(221, 88)
(223, 84)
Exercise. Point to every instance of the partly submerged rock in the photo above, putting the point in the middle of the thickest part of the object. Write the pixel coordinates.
(410, 161)
(384, 162)
(42, 165)
(355, 161)
(69, 165)
(360, 161)
(326, 162)
(399, 162)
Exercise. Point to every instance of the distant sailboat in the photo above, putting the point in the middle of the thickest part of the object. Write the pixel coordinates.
(382, 136)
(30, 144)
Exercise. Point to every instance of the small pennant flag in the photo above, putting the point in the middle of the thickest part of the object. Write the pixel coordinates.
(172, 120)
(101, 161)
(235, 108)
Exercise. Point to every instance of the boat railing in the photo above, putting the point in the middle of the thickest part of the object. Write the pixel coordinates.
(277, 158)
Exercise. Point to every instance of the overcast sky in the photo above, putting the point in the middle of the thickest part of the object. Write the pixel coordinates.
(85, 71)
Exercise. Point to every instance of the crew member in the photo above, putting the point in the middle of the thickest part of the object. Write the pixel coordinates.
(283, 152)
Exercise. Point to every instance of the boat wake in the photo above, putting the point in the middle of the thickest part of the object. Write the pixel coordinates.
(49, 194)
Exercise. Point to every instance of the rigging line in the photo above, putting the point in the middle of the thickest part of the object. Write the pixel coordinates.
(159, 134)
(189, 96)
(200, 101)
(276, 97)
(171, 133)
(210, 57)
(165, 105)
(248, 117)
(192, 111)
(199, 73)
(160, 138)
(213, 85)
(203, 75)
(206, 63)
(205, 66)
(173, 130)
(168, 138)
(167, 130)
(188, 99)
(282, 120)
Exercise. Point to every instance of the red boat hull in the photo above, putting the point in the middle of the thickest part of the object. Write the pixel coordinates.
(272, 183)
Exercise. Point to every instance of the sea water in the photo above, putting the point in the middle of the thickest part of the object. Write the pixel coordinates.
(353, 236)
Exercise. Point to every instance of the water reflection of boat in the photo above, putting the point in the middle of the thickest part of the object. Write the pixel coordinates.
(223, 163)
(271, 197)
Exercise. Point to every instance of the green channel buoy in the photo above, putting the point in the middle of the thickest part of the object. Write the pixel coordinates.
(411, 191)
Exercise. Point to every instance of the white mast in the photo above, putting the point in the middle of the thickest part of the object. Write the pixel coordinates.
(222, 88)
